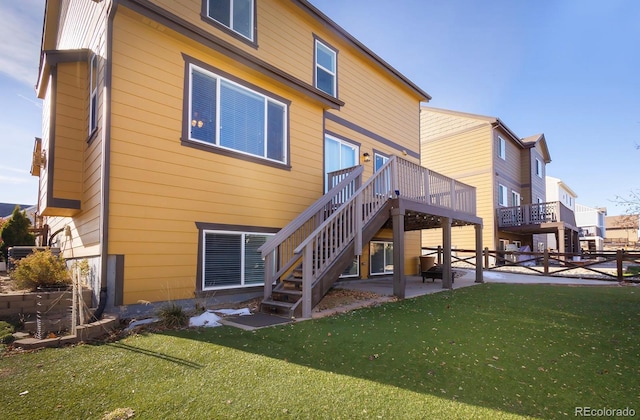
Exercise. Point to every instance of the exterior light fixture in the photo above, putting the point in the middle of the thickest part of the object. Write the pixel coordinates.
(366, 157)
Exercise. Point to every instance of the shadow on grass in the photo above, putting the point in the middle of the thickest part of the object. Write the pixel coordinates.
(532, 350)
(162, 356)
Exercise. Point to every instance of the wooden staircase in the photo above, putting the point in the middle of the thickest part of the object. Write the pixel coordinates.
(286, 296)
(311, 253)
(305, 258)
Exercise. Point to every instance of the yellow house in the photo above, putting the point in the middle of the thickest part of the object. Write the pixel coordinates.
(180, 138)
(509, 175)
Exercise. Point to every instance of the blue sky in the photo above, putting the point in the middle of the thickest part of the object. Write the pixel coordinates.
(567, 68)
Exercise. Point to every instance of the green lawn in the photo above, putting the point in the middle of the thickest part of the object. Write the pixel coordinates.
(488, 351)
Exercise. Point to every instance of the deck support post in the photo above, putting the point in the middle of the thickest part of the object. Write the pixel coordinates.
(268, 274)
(479, 271)
(399, 279)
(446, 257)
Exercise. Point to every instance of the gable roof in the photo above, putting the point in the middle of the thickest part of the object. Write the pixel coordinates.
(50, 28)
(525, 143)
(318, 15)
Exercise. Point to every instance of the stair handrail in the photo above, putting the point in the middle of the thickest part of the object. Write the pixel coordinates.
(344, 226)
(277, 252)
(312, 211)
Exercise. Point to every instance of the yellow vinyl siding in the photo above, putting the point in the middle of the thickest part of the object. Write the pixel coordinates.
(70, 130)
(286, 40)
(461, 148)
(82, 25)
(46, 142)
(155, 178)
(161, 188)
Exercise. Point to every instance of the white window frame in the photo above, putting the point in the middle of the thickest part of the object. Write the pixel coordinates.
(243, 236)
(356, 263)
(93, 93)
(502, 148)
(319, 67)
(383, 158)
(385, 265)
(216, 140)
(516, 198)
(503, 199)
(539, 169)
(230, 26)
(341, 142)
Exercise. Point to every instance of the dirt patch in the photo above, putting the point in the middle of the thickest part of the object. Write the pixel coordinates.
(6, 284)
(343, 297)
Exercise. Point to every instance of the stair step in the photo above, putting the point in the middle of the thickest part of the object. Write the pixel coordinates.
(286, 295)
(274, 307)
(292, 283)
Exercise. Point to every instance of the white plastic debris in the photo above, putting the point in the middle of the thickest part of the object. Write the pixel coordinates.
(134, 324)
(205, 319)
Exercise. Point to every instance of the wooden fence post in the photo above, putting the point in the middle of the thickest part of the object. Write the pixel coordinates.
(545, 261)
(486, 257)
(619, 263)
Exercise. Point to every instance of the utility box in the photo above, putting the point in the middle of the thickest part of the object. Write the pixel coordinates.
(17, 253)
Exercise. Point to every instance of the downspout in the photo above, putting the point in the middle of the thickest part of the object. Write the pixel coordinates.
(106, 150)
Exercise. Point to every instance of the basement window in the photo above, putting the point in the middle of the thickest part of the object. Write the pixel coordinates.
(232, 260)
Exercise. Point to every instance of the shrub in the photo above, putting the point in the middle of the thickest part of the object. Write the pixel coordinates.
(15, 231)
(173, 316)
(40, 269)
(6, 332)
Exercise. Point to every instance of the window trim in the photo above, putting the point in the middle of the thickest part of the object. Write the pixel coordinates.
(539, 169)
(215, 148)
(93, 96)
(253, 41)
(502, 148)
(502, 203)
(318, 41)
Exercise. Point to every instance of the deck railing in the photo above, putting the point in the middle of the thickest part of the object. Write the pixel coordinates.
(535, 214)
(425, 186)
(322, 232)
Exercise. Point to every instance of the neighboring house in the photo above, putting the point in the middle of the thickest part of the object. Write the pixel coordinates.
(558, 191)
(508, 173)
(6, 209)
(622, 231)
(591, 222)
(188, 146)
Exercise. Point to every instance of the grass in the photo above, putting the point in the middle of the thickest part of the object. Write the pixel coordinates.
(488, 351)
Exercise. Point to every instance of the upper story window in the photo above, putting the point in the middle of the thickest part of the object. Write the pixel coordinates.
(502, 195)
(538, 168)
(326, 74)
(237, 15)
(515, 198)
(227, 115)
(93, 94)
(502, 148)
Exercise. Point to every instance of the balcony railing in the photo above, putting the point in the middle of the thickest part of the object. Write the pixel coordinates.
(535, 214)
